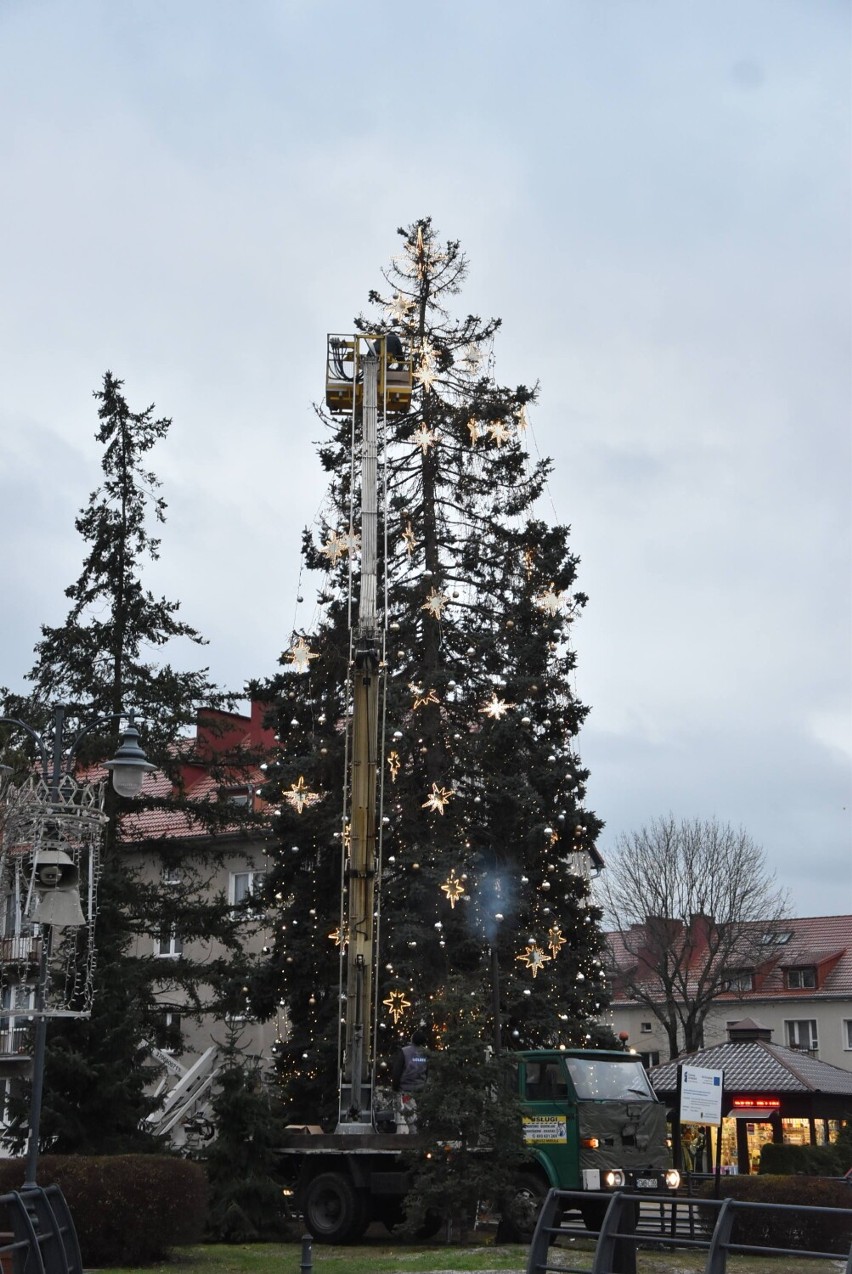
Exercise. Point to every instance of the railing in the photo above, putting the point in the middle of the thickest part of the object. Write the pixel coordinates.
(664, 1222)
(42, 1239)
(17, 1042)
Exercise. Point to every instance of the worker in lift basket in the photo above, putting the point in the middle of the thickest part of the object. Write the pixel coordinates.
(409, 1069)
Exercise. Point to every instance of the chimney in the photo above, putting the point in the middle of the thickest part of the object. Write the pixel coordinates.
(746, 1031)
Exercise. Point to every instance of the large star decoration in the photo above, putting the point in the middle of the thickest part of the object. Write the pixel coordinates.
(454, 888)
(499, 432)
(473, 430)
(300, 655)
(521, 422)
(394, 764)
(555, 939)
(340, 935)
(496, 708)
(435, 603)
(425, 438)
(534, 958)
(300, 797)
(550, 601)
(438, 799)
(397, 1004)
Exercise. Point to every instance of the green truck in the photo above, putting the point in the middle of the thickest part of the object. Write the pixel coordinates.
(591, 1121)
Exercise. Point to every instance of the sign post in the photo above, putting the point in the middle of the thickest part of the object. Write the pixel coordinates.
(699, 1101)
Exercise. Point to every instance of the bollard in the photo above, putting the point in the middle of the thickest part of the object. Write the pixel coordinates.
(307, 1256)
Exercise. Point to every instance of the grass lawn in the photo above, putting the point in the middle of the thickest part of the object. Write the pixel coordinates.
(376, 1256)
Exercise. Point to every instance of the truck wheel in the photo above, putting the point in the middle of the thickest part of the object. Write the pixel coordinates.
(335, 1212)
(521, 1208)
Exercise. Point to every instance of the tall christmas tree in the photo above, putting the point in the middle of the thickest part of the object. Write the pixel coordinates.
(484, 838)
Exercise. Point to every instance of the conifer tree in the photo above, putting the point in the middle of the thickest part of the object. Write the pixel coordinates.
(485, 834)
(104, 659)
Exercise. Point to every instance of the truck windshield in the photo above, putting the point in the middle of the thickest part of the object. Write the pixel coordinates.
(597, 1080)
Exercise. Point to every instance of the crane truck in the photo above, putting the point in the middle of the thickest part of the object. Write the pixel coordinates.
(591, 1120)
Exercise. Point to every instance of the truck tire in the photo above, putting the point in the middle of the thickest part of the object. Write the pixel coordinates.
(521, 1208)
(334, 1211)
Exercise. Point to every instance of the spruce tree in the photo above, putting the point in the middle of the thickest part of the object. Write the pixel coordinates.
(104, 659)
(484, 826)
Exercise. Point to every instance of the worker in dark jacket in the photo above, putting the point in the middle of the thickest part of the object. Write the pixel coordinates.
(409, 1069)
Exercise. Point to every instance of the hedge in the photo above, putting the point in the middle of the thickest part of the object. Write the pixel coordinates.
(818, 1233)
(127, 1209)
(810, 1161)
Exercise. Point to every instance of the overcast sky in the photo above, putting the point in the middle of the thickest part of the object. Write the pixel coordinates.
(655, 197)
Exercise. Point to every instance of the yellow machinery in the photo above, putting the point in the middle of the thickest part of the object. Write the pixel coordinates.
(344, 372)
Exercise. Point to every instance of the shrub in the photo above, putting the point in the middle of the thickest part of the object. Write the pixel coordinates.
(127, 1209)
(815, 1232)
(810, 1161)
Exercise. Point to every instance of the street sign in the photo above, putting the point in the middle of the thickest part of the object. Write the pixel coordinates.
(700, 1095)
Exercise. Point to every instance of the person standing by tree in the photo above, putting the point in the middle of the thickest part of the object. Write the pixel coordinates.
(409, 1072)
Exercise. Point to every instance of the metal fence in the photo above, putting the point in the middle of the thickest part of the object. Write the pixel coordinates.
(663, 1222)
(40, 1237)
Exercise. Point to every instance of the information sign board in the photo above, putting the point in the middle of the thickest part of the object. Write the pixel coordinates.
(700, 1095)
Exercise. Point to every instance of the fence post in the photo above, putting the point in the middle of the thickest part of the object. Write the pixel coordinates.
(717, 1252)
(615, 1252)
(307, 1255)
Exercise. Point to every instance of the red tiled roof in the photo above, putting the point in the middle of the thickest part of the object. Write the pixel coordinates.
(815, 941)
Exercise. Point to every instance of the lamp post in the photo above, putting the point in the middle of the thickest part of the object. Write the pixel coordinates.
(54, 884)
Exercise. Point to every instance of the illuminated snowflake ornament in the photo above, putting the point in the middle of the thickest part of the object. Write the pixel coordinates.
(499, 432)
(550, 601)
(496, 708)
(435, 603)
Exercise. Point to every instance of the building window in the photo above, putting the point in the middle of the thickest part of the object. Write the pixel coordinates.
(169, 945)
(645, 1028)
(246, 888)
(802, 1034)
(739, 980)
(847, 1034)
(801, 979)
(171, 874)
(650, 1059)
(776, 937)
(167, 1031)
(238, 796)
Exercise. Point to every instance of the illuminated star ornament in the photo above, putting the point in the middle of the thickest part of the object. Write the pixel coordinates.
(555, 939)
(550, 602)
(435, 603)
(534, 958)
(347, 836)
(453, 887)
(409, 539)
(438, 799)
(425, 438)
(334, 548)
(397, 1004)
(496, 708)
(499, 432)
(521, 422)
(471, 359)
(300, 797)
(473, 430)
(426, 374)
(399, 307)
(394, 764)
(421, 699)
(350, 542)
(340, 935)
(300, 655)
